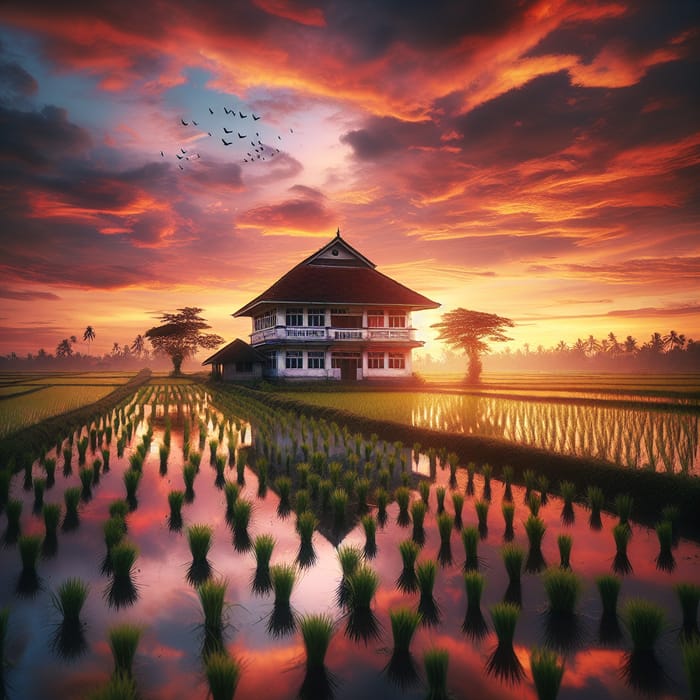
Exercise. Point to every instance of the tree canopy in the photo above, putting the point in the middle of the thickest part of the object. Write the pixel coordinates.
(181, 335)
(471, 331)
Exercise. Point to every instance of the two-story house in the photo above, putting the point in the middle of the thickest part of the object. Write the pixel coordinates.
(335, 316)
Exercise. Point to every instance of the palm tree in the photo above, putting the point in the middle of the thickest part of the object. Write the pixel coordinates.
(137, 347)
(562, 347)
(579, 347)
(89, 336)
(630, 345)
(655, 343)
(673, 341)
(614, 347)
(116, 350)
(592, 346)
(64, 348)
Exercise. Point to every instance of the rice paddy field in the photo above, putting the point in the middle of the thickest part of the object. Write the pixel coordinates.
(209, 545)
(26, 398)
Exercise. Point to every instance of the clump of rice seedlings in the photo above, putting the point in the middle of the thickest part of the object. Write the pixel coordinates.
(403, 497)
(325, 488)
(240, 518)
(176, 499)
(29, 551)
(564, 542)
(283, 486)
(665, 560)
(426, 572)
(240, 466)
(530, 481)
(123, 642)
(13, 510)
(407, 581)
(361, 492)
(508, 510)
(69, 599)
(105, 460)
(231, 493)
(418, 511)
(482, 514)
(567, 489)
(282, 620)
(436, 662)
(262, 551)
(609, 589)
(211, 595)
(136, 460)
(645, 623)
(543, 487)
(369, 525)
(486, 472)
(82, 449)
(453, 461)
(96, 468)
(361, 624)
(67, 459)
(339, 504)
(672, 514)
(52, 516)
(163, 454)
(49, 469)
(689, 597)
(39, 488)
(444, 523)
(71, 499)
(349, 558)
(458, 504)
(86, 482)
(503, 662)
(306, 524)
(623, 507)
(621, 535)
(401, 668)
(440, 492)
(213, 447)
(563, 588)
(189, 472)
(534, 502)
(113, 530)
(119, 687)
(381, 497)
(535, 529)
(471, 469)
(195, 459)
(121, 591)
(596, 500)
(262, 477)
(223, 674)
(121, 444)
(316, 632)
(507, 475)
(474, 625)
(314, 483)
(199, 538)
(470, 540)
(132, 478)
(119, 509)
(424, 490)
(691, 664)
(513, 557)
(547, 671)
(302, 502)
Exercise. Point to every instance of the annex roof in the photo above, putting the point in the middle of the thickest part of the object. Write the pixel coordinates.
(338, 274)
(236, 351)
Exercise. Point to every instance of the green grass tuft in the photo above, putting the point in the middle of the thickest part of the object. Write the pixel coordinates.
(436, 662)
(513, 558)
(123, 641)
(609, 589)
(362, 586)
(316, 632)
(29, 551)
(505, 618)
(70, 598)
(404, 623)
(283, 578)
(223, 674)
(212, 595)
(199, 538)
(645, 622)
(563, 589)
(547, 671)
(470, 540)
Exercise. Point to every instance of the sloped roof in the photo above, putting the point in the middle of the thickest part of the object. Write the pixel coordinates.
(333, 282)
(236, 351)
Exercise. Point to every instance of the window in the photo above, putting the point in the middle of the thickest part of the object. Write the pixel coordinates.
(375, 319)
(266, 320)
(295, 317)
(293, 359)
(397, 360)
(375, 360)
(271, 360)
(246, 367)
(317, 317)
(316, 360)
(397, 319)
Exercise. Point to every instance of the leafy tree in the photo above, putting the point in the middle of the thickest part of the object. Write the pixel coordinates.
(65, 347)
(180, 335)
(469, 330)
(89, 336)
(138, 346)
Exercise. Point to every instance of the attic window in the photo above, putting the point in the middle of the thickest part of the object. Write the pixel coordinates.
(334, 251)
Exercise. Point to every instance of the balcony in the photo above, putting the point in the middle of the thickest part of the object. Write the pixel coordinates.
(329, 334)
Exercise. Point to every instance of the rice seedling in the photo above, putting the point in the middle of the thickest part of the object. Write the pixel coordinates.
(543, 487)
(316, 632)
(325, 488)
(71, 499)
(645, 622)
(444, 523)
(199, 538)
(564, 542)
(339, 504)
(132, 479)
(547, 671)
(302, 502)
(39, 485)
(621, 535)
(119, 687)
(482, 514)
(534, 502)
(240, 519)
(623, 507)
(426, 573)
(424, 490)
(69, 599)
(52, 516)
(241, 461)
(283, 577)
(530, 481)
(189, 472)
(195, 459)
(123, 643)
(672, 514)
(361, 492)
(404, 623)
(262, 551)
(136, 460)
(86, 482)
(471, 468)
(362, 585)
(213, 447)
(223, 674)
(381, 497)
(503, 663)
(50, 471)
(609, 590)
(349, 558)
(440, 492)
(688, 597)
(458, 505)
(535, 530)
(121, 591)
(175, 500)
(507, 475)
(369, 525)
(13, 511)
(596, 500)
(119, 509)
(113, 530)
(563, 589)
(508, 510)
(470, 541)
(436, 662)
(665, 560)
(418, 511)
(96, 468)
(283, 486)
(306, 524)
(513, 557)
(474, 625)
(407, 581)
(567, 489)
(82, 449)
(67, 459)
(29, 551)
(486, 473)
(691, 664)
(211, 595)
(164, 454)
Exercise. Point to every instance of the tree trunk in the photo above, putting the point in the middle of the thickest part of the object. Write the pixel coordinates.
(177, 364)
(475, 366)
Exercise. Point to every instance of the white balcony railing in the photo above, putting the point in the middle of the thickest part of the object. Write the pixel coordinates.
(304, 333)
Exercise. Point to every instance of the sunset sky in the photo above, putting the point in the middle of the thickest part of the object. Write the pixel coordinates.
(538, 160)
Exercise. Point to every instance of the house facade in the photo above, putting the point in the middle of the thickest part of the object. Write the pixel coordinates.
(334, 316)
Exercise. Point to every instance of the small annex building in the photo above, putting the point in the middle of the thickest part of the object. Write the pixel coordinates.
(332, 316)
(236, 362)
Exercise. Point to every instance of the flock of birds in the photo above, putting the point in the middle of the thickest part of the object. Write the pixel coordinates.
(256, 151)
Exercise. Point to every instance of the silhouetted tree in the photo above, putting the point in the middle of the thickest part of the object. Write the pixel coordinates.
(469, 330)
(137, 347)
(65, 347)
(89, 336)
(181, 335)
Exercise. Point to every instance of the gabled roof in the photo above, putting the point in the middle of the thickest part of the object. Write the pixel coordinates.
(236, 351)
(338, 274)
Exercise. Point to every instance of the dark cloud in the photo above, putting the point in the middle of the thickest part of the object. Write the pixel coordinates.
(15, 81)
(297, 214)
(28, 295)
(381, 136)
(308, 192)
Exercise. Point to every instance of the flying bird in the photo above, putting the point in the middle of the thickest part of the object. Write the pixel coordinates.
(226, 143)
(162, 155)
(179, 166)
(183, 150)
(242, 116)
(178, 156)
(228, 111)
(184, 123)
(228, 131)
(240, 135)
(256, 118)
(211, 111)
(195, 123)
